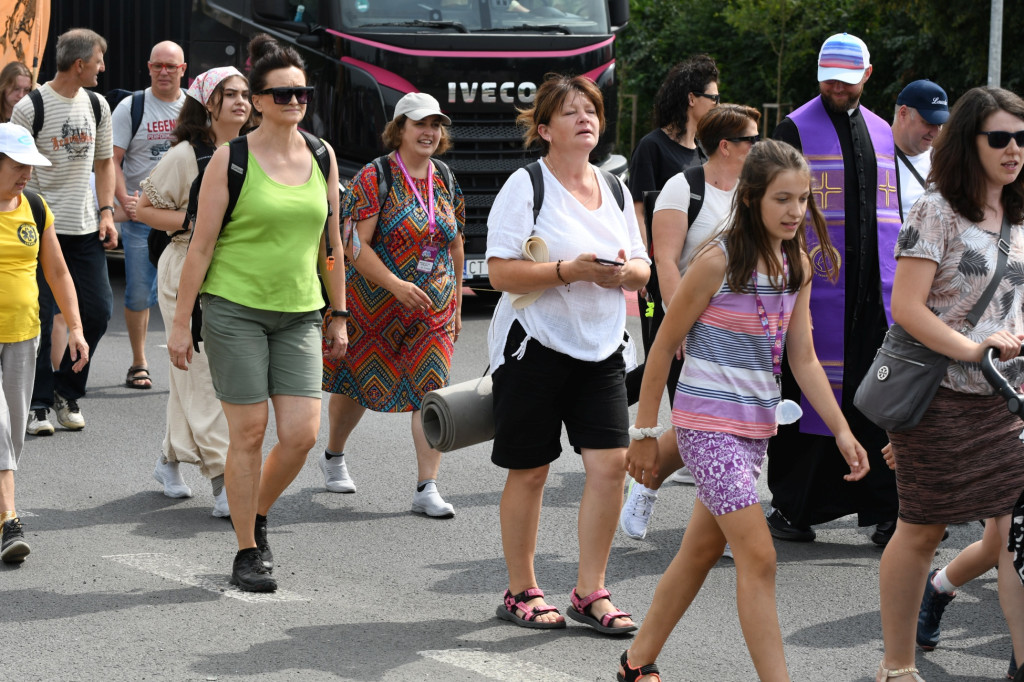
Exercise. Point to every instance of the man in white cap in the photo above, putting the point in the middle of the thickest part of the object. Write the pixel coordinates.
(72, 128)
(921, 109)
(142, 126)
(27, 243)
(853, 180)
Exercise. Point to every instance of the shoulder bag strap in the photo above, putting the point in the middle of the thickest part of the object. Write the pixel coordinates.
(997, 275)
(910, 166)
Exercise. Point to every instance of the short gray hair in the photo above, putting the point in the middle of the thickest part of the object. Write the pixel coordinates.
(78, 43)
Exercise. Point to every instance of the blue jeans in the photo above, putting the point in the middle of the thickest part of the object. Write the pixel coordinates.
(139, 274)
(87, 263)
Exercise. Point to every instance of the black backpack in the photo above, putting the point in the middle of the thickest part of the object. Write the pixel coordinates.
(238, 164)
(36, 97)
(159, 239)
(385, 179)
(138, 105)
(35, 202)
(537, 180)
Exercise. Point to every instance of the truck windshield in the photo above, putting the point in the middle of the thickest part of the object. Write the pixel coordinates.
(475, 16)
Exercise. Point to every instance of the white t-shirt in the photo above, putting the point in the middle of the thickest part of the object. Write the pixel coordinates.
(710, 221)
(70, 140)
(151, 141)
(910, 189)
(584, 321)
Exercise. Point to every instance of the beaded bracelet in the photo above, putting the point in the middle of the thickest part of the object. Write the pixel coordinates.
(558, 271)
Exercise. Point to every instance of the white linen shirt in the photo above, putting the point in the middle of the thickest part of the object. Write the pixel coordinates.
(584, 321)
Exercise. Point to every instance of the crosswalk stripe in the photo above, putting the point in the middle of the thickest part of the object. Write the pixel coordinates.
(496, 666)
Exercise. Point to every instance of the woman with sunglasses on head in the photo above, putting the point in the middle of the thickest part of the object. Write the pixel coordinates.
(963, 461)
(727, 133)
(261, 300)
(216, 109)
(559, 359)
(405, 291)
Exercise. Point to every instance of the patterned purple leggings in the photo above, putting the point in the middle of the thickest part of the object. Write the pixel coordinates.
(724, 466)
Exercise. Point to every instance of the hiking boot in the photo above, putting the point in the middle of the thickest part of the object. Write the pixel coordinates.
(262, 545)
(167, 474)
(248, 574)
(68, 414)
(336, 477)
(933, 605)
(636, 513)
(428, 501)
(782, 529)
(39, 423)
(13, 548)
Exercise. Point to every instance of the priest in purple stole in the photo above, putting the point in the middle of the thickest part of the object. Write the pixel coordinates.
(853, 179)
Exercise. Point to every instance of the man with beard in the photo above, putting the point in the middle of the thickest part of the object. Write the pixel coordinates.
(853, 180)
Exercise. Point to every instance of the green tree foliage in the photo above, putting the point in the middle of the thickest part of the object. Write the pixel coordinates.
(767, 49)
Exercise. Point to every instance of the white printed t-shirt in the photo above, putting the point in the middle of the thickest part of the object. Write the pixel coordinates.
(70, 140)
(151, 141)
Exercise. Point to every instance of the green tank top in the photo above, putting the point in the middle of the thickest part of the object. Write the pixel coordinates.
(266, 256)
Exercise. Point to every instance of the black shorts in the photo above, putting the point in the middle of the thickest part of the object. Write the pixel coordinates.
(535, 395)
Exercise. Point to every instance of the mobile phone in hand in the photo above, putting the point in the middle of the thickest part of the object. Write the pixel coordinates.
(605, 261)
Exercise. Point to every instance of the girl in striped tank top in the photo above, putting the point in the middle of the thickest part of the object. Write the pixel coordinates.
(745, 297)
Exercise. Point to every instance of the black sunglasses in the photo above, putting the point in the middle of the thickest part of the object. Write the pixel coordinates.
(998, 139)
(752, 139)
(714, 98)
(284, 95)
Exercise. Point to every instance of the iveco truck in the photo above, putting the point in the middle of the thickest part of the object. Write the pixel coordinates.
(481, 59)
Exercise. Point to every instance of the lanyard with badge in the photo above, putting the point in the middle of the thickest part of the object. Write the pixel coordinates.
(427, 252)
(787, 411)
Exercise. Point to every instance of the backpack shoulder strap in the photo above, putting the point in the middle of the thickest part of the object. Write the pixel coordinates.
(238, 164)
(615, 186)
(97, 112)
(537, 180)
(36, 98)
(448, 177)
(138, 107)
(650, 200)
(35, 202)
(695, 178)
(382, 166)
(323, 158)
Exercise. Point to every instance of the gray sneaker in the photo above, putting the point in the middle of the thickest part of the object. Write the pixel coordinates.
(68, 414)
(635, 516)
(13, 548)
(39, 423)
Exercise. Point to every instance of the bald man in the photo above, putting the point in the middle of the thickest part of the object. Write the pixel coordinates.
(134, 157)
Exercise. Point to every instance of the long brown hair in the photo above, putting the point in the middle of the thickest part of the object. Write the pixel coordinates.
(956, 167)
(8, 79)
(746, 238)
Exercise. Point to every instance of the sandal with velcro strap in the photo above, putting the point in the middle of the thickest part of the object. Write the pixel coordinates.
(581, 611)
(512, 602)
(627, 673)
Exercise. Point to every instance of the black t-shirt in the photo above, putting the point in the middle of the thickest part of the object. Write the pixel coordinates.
(657, 158)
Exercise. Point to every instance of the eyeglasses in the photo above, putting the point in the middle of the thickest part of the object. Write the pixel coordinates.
(157, 67)
(752, 139)
(998, 139)
(714, 98)
(284, 95)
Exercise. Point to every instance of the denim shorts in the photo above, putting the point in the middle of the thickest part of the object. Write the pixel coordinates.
(255, 354)
(139, 273)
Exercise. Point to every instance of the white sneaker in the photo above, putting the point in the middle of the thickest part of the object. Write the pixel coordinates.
(636, 512)
(727, 552)
(336, 477)
(167, 474)
(682, 475)
(428, 501)
(220, 505)
(68, 414)
(39, 423)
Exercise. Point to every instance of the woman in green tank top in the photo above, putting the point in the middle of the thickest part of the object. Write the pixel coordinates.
(261, 301)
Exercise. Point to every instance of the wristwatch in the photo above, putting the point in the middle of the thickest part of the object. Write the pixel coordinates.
(106, 208)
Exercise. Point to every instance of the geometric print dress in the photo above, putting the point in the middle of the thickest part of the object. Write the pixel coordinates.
(395, 355)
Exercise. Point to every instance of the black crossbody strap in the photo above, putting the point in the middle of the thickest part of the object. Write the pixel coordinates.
(913, 171)
(997, 276)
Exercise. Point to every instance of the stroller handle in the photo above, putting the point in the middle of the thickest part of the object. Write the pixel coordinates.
(1014, 399)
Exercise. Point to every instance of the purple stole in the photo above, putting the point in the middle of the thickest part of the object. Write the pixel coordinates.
(828, 187)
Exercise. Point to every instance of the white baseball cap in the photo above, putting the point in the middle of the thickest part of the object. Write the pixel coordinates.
(17, 143)
(843, 57)
(419, 105)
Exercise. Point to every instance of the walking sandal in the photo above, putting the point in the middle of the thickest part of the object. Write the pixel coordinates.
(511, 602)
(884, 674)
(581, 611)
(627, 673)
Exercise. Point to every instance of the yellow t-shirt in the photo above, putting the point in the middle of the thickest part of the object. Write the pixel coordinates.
(19, 252)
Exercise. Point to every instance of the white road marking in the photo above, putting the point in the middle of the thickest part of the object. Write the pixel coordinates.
(496, 666)
(25, 514)
(196, 575)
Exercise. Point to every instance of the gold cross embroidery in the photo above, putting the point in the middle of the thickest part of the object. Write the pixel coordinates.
(823, 190)
(887, 188)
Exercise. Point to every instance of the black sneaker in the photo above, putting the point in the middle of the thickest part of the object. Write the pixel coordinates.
(248, 574)
(262, 545)
(933, 605)
(782, 529)
(883, 533)
(13, 548)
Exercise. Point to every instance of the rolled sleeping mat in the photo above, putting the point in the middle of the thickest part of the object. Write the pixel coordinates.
(459, 416)
(535, 249)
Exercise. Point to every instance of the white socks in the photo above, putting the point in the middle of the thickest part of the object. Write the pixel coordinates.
(941, 582)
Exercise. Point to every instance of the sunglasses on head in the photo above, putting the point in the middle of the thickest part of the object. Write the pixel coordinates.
(714, 98)
(752, 139)
(998, 139)
(284, 95)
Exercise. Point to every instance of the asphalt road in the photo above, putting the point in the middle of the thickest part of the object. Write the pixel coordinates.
(126, 584)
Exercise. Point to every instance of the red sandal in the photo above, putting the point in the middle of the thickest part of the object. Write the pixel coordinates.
(511, 602)
(580, 611)
(627, 673)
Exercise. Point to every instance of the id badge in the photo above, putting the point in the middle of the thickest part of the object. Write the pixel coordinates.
(428, 254)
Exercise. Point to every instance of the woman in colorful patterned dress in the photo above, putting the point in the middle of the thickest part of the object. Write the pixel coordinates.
(404, 273)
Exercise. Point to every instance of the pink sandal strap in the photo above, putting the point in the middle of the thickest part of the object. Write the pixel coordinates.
(612, 615)
(518, 601)
(581, 604)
